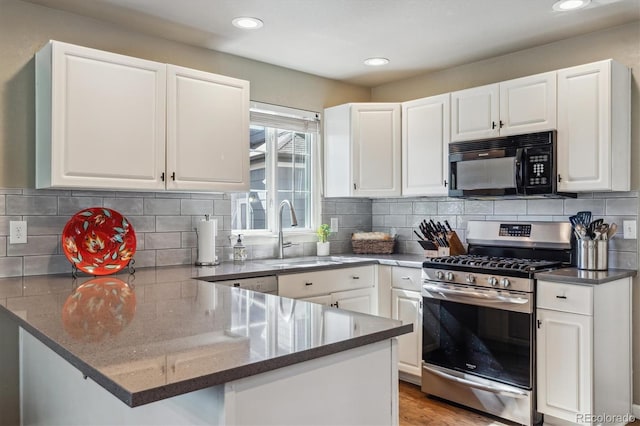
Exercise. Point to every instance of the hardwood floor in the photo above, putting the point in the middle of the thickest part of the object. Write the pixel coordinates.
(417, 409)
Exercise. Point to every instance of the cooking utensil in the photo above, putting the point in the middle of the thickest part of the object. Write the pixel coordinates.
(613, 228)
(584, 217)
(418, 235)
(582, 231)
(574, 220)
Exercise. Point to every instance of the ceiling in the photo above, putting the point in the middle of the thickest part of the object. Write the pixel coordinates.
(331, 38)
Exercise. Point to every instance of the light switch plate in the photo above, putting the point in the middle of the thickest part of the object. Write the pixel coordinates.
(629, 229)
(334, 224)
(17, 232)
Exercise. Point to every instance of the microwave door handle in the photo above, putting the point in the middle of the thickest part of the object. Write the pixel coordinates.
(519, 170)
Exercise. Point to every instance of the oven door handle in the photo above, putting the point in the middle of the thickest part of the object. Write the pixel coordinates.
(497, 389)
(475, 295)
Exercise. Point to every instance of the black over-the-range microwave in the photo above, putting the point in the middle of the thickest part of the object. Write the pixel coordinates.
(518, 165)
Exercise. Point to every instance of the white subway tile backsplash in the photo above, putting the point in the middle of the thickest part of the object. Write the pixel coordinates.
(45, 225)
(621, 206)
(401, 208)
(2, 205)
(425, 208)
(173, 257)
(10, 267)
(510, 207)
(478, 207)
(40, 265)
(3, 246)
(126, 206)
(451, 207)
(545, 207)
(173, 223)
(20, 205)
(573, 206)
(72, 205)
(196, 207)
(166, 240)
(161, 207)
(36, 245)
(380, 208)
(142, 224)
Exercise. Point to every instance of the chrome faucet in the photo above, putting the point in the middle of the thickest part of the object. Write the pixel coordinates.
(294, 222)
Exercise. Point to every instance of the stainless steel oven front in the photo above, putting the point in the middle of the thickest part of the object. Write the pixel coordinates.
(478, 348)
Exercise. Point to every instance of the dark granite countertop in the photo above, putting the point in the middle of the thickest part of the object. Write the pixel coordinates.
(577, 276)
(166, 333)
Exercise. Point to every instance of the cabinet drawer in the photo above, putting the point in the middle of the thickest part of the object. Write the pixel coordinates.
(565, 297)
(309, 284)
(406, 278)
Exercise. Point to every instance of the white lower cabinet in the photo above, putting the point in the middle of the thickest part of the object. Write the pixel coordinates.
(352, 289)
(584, 351)
(406, 306)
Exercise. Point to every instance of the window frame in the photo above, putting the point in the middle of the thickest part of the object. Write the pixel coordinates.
(271, 170)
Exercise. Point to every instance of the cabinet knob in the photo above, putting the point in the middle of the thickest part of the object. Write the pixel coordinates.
(308, 283)
(561, 297)
(355, 277)
(173, 176)
(162, 177)
(559, 178)
(493, 124)
(354, 186)
(405, 278)
(501, 124)
(445, 183)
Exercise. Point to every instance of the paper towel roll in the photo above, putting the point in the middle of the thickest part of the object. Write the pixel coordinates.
(206, 230)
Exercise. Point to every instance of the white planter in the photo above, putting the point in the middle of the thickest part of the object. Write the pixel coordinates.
(323, 248)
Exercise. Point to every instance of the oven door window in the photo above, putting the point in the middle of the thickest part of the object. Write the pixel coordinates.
(488, 342)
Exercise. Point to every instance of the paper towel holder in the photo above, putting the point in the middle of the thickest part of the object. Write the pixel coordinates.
(206, 234)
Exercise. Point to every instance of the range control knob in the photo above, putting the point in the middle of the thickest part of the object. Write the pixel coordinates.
(470, 278)
(449, 276)
(493, 281)
(505, 282)
(439, 275)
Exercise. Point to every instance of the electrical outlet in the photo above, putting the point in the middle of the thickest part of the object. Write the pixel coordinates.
(334, 224)
(17, 232)
(629, 229)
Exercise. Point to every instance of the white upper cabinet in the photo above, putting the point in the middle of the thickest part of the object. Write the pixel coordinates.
(100, 119)
(594, 130)
(109, 121)
(362, 150)
(522, 105)
(528, 104)
(207, 131)
(425, 141)
(474, 113)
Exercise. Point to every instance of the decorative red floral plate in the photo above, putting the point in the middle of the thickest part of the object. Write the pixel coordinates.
(99, 308)
(99, 241)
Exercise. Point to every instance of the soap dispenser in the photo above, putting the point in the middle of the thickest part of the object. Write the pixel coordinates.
(239, 250)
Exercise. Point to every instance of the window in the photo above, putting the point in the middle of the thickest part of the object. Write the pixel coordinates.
(283, 155)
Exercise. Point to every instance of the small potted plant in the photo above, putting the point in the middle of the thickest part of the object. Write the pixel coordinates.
(323, 245)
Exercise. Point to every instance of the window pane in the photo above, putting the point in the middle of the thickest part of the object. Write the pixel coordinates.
(249, 210)
(294, 174)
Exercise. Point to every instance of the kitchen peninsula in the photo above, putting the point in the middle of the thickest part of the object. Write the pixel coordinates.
(159, 347)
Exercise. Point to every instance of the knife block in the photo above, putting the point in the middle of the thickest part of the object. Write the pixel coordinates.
(455, 247)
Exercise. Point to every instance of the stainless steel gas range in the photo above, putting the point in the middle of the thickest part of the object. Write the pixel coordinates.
(478, 327)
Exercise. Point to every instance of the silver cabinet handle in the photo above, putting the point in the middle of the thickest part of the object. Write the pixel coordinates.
(475, 295)
(497, 389)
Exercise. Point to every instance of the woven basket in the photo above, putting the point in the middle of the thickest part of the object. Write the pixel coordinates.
(373, 246)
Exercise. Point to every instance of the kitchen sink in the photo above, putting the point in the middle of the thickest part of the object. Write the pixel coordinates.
(301, 262)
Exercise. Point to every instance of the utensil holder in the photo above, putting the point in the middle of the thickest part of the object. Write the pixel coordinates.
(593, 255)
(433, 250)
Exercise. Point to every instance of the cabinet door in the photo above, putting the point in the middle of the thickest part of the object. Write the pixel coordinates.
(100, 119)
(583, 124)
(406, 306)
(528, 104)
(375, 136)
(361, 300)
(564, 360)
(594, 133)
(425, 142)
(474, 113)
(207, 131)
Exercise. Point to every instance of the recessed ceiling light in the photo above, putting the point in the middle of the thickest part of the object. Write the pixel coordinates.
(376, 62)
(247, 23)
(564, 5)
